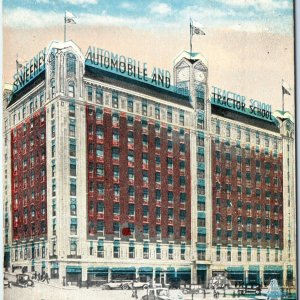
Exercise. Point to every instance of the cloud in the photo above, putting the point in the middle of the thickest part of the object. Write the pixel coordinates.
(42, 1)
(162, 9)
(80, 2)
(127, 5)
(266, 5)
(19, 18)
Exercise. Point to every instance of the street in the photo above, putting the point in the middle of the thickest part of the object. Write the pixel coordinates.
(43, 291)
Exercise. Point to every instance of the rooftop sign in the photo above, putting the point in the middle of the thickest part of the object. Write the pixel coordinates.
(239, 103)
(130, 68)
(29, 71)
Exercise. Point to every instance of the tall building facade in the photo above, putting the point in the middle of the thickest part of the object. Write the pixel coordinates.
(107, 176)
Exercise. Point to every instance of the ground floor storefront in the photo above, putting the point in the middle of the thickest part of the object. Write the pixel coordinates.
(255, 274)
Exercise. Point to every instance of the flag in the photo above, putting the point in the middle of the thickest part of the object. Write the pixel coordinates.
(285, 88)
(18, 65)
(196, 28)
(69, 18)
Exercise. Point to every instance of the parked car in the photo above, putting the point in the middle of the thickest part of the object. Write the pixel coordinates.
(24, 280)
(116, 284)
(193, 289)
(136, 284)
(157, 294)
(6, 282)
(218, 282)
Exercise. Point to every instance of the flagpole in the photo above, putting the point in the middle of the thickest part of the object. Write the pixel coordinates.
(65, 28)
(282, 95)
(191, 36)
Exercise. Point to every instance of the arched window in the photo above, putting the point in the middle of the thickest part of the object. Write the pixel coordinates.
(52, 63)
(52, 88)
(71, 90)
(71, 64)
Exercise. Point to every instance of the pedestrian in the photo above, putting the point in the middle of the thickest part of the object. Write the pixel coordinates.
(47, 277)
(39, 277)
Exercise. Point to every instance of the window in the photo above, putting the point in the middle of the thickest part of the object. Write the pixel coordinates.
(170, 163)
(99, 96)
(170, 213)
(169, 114)
(99, 150)
(71, 64)
(72, 167)
(130, 174)
(71, 90)
(116, 153)
(131, 250)
(116, 172)
(145, 140)
(72, 129)
(144, 108)
(116, 208)
(90, 93)
(158, 251)
(130, 137)
(157, 112)
(158, 195)
(158, 212)
(116, 190)
(170, 196)
(73, 247)
(130, 103)
(131, 210)
(145, 176)
(170, 231)
(157, 143)
(145, 159)
(130, 157)
(145, 211)
(116, 228)
(218, 253)
(116, 249)
(72, 148)
(115, 100)
(73, 207)
(131, 191)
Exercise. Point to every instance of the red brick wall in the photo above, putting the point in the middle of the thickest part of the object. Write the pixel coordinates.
(20, 189)
(234, 211)
(138, 220)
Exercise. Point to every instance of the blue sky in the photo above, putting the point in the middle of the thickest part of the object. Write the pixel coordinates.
(249, 15)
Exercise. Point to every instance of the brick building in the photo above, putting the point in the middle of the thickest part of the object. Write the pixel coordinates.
(108, 176)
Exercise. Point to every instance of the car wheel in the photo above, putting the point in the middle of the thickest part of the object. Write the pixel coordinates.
(145, 286)
(26, 285)
(125, 287)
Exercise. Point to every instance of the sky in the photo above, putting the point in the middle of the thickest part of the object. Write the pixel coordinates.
(248, 43)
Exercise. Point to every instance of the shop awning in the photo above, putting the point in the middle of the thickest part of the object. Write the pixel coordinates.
(235, 269)
(254, 269)
(170, 270)
(201, 267)
(97, 270)
(54, 265)
(146, 270)
(272, 269)
(185, 270)
(123, 270)
(73, 269)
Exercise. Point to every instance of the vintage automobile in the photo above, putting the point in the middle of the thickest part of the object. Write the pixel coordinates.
(6, 282)
(157, 294)
(193, 289)
(136, 284)
(24, 280)
(219, 281)
(117, 284)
